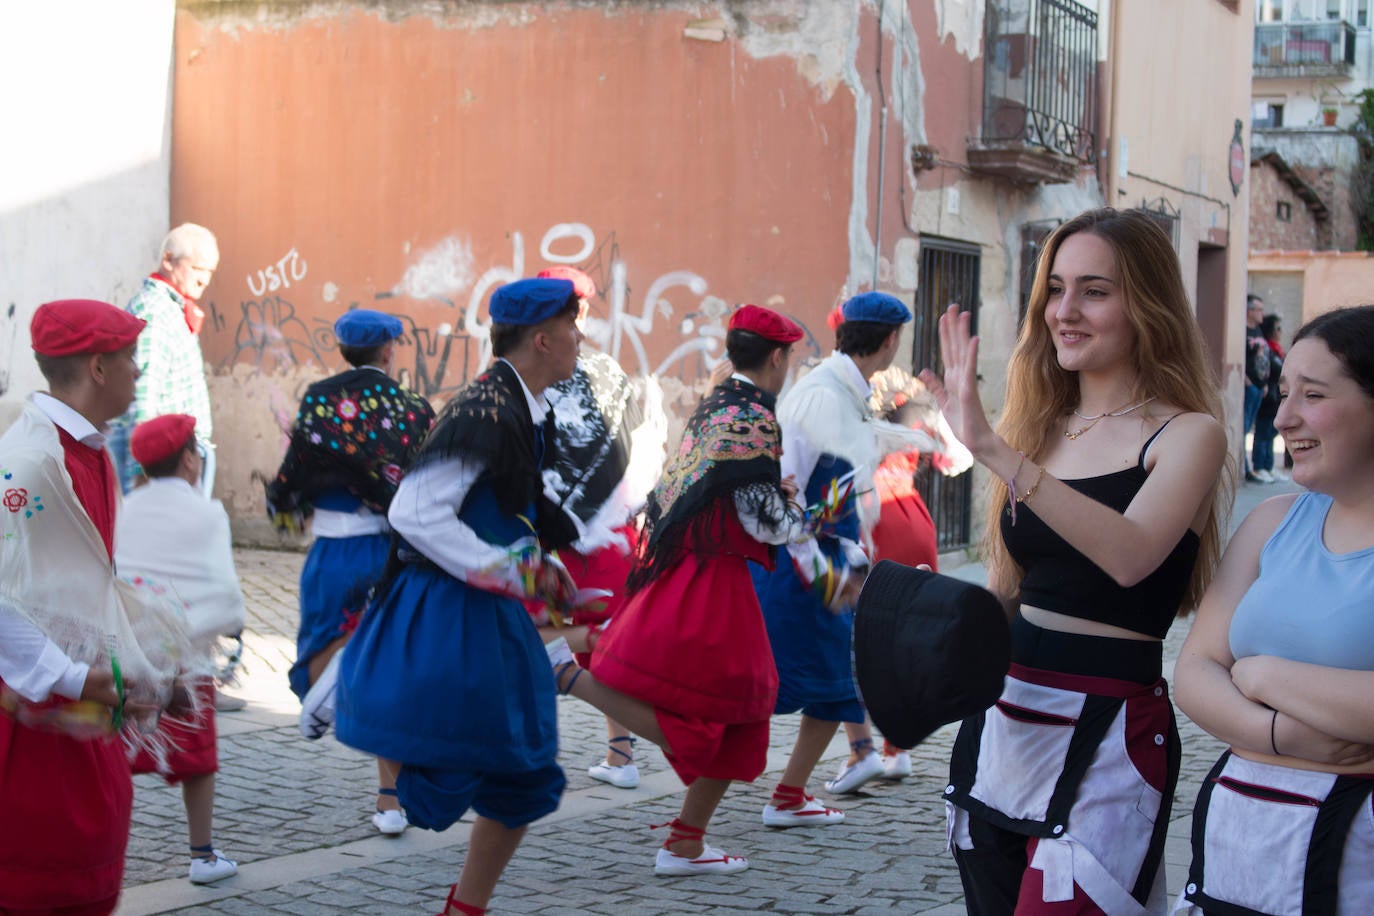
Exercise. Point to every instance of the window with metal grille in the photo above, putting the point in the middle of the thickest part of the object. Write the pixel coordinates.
(1165, 215)
(1033, 238)
(1040, 75)
(949, 272)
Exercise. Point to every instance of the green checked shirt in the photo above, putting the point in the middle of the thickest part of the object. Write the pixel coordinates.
(168, 355)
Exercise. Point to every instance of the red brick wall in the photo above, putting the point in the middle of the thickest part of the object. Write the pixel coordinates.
(1267, 232)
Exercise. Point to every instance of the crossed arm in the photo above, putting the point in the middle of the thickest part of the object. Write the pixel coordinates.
(1324, 715)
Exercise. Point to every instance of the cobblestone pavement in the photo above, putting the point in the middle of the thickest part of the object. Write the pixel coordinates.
(295, 815)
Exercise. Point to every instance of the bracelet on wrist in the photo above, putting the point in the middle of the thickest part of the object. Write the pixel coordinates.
(1023, 497)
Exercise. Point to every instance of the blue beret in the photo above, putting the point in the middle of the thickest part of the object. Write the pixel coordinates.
(366, 328)
(879, 307)
(530, 301)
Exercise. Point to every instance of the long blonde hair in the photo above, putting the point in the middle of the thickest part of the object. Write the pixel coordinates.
(1170, 363)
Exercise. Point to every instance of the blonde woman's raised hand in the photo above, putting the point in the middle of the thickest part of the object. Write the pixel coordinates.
(957, 391)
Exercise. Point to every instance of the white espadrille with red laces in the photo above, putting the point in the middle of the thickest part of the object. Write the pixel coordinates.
(811, 813)
(711, 861)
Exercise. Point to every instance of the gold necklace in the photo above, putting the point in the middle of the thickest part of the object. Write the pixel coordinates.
(1072, 434)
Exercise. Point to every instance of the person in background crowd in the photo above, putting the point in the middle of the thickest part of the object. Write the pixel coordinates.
(1102, 527)
(1256, 371)
(446, 673)
(171, 367)
(610, 451)
(699, 680)
(1262, 455)
(832, 447)
(354, 437)
(172, 535)
(905, 532)
(76, 666)
(1280, 661)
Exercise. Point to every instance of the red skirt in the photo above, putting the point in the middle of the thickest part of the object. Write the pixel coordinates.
(192, 746)
(906, 533)
(66, 806)
(606, 568)
(693, 644)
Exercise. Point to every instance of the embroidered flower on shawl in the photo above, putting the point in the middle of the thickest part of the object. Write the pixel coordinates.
(348, 408)
(16, 498)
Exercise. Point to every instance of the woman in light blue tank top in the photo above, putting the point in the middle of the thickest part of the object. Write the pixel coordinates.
(1280, 662)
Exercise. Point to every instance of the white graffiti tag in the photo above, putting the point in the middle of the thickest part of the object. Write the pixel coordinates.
(278, 276)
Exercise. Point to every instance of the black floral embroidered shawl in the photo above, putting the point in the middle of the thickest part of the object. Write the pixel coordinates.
(732, 443)
(358, 430)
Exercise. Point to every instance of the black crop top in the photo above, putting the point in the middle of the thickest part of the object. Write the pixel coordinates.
(1060, 578)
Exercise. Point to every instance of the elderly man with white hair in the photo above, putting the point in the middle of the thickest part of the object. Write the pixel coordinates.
(169, 356)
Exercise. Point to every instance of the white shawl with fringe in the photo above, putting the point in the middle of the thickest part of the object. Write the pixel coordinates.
(56, 573)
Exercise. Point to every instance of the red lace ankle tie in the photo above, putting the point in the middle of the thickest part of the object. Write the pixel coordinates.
(460, 906)
(785, 796)
(678, 831)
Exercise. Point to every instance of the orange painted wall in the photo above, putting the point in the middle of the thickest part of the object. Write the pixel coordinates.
(337, 152)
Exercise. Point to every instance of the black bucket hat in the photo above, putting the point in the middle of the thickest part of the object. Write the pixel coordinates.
(928, 650)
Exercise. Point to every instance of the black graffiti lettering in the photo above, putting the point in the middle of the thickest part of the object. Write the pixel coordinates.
(270, 336)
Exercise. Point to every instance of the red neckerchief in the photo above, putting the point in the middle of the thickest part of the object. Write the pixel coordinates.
(194, 314)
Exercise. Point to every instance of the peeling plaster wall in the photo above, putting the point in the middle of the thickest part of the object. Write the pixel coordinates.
(359, 155)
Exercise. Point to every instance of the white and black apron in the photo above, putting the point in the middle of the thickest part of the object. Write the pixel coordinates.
(1274, 840)
(1087, 765)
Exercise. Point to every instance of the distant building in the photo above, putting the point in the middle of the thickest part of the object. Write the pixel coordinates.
(1312, 59)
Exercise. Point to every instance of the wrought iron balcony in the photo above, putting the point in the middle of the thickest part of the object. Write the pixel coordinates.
(1039, 90)
(1289, 49)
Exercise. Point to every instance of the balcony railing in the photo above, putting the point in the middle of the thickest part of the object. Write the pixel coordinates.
(1289, 49)
(1039, 89)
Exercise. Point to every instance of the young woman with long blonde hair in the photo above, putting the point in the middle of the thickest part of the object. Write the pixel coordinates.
(1102, 527)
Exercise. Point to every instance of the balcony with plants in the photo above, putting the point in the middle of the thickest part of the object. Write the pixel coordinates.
(1318, 49)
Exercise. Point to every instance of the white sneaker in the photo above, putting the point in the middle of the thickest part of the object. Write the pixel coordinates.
(559, 653)
(711, 862)
(1265, 476)
(896, 766)
(317, 709)
(852, 778)
(391, 823)
(1278, 475)
(625, 776)
(811, 814)
(215, 868)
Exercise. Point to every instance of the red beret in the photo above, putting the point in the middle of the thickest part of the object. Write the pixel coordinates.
(161, 437)
(582, 284)
(766, 323)
(71, 326)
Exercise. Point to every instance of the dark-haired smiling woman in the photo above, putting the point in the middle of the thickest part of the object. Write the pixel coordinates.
(1102, 528)
(1280, 661)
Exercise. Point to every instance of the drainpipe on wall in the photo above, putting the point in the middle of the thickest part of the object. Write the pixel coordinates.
(1114, 141)
(882, 162)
